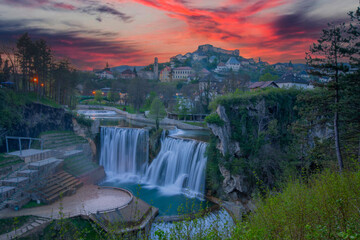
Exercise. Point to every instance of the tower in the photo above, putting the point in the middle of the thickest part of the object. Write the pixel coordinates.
(156, 68)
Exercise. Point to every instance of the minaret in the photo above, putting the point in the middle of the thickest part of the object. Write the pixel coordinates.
(156, 68)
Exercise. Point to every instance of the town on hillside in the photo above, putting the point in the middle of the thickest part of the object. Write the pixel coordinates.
(196, 78)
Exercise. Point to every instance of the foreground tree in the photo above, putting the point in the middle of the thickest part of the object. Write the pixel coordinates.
(336, 45)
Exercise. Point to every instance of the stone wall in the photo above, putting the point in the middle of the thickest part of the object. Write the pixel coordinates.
(37, 118)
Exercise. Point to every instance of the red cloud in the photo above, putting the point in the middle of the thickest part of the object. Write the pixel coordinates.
(64, 6)
(251, 26)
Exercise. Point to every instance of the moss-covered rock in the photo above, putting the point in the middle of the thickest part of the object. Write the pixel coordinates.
(253, 143)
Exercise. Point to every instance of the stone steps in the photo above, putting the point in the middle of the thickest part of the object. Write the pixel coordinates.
(64, 144)
(15, 181)
(27, 173)
(39, 165)
(26, 228)
(57, 185)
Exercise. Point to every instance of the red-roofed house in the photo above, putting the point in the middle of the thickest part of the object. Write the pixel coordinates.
(165, 75)
(127, 74)
(105, 74)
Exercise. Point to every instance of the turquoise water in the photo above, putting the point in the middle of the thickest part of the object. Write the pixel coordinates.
(168, 203)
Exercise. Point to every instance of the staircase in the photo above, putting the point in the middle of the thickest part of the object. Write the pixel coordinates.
(76, 161)
(62, 140)
(79, 164)
(58, 185)
(14, 187)
(41, 178)
(8, 163)
(26, 228)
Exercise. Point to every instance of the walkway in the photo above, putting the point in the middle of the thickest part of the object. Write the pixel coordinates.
(87, 200)
(142, 119)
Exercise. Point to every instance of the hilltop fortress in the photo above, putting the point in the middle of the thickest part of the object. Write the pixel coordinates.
(210, 48)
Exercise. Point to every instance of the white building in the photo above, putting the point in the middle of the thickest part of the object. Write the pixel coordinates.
(233, 64)
(221, 67)
(105, 74)
(182, 73)
(289, 81)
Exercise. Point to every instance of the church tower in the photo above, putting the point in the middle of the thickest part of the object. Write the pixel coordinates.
(156, 68)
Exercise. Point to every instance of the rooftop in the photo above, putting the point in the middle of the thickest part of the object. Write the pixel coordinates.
(262, 84)
(232, 61)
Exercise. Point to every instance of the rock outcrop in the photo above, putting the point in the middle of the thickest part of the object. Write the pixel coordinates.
(225, 145)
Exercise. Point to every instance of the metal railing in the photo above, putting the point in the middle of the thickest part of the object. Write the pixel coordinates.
(23, 138)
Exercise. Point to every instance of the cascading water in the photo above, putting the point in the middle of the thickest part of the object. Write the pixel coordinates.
(180, 164)
(124, 150)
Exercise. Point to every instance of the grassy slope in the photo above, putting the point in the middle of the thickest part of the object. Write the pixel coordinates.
(327, 207)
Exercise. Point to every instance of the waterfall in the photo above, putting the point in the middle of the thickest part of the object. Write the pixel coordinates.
(124, 150)
(179, 166)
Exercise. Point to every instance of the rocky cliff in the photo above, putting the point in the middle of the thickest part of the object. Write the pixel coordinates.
(253, 141)
(35, 118)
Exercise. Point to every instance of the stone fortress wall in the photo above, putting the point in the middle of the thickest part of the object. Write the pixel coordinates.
(211, 48)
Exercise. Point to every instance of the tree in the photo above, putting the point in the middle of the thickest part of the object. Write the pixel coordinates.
(268, 77)
(6, 71)
(25, 50)
(157, 111)
(149, 99)
(182, 107)
(336, 45)
(137, 92)
(98, 96)
(113, 96)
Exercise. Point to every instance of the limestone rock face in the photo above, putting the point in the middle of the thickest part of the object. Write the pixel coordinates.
(233, 185)
(225, 144)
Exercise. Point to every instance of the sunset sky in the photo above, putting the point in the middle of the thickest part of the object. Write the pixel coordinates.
(133, 32)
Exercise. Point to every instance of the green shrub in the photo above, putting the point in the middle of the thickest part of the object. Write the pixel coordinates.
(214, 118)
(82, 120)
(325, 207)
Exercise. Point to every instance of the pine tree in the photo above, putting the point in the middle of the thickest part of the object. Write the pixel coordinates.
(338, 44)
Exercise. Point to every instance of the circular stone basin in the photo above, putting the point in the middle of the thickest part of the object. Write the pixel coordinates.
(87, 199)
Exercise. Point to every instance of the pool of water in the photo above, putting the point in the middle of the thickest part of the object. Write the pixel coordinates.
(167, 201)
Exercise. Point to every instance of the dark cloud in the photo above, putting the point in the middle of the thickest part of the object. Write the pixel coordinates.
(104, 9)
(300, 24)
(83, 51)
(90, 7)
(25, 3)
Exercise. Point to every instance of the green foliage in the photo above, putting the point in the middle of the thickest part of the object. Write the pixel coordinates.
(268, 77)
(213, 175)
(10, 108)
(82, 120)
(259, 123)
(98, 96)
(182, 107)
(157, 111)
(33, 204)
(10, 224)
(73, 228)
(214, 118)
(325, 207)
(149, 99)
(113, 97)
